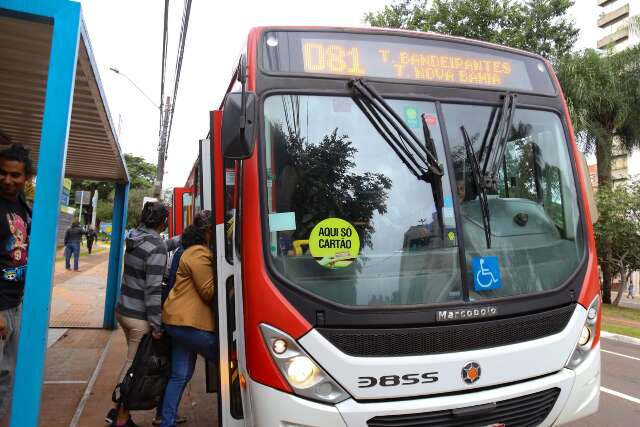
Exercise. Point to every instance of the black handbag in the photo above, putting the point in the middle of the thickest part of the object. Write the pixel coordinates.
(143, 386)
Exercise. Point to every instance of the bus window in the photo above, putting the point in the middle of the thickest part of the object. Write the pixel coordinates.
(230, 205)
(534, 217)
(187, 209)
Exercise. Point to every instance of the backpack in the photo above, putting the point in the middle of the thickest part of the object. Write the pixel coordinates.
(143, 386)
(171, 277)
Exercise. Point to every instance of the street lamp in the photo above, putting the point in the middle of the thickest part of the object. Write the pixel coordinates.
(115, 70)
(164, 122)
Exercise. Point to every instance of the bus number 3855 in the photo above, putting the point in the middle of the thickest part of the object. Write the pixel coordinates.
(395, 380)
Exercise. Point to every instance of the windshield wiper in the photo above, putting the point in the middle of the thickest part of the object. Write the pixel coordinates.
(492, 154)
(480, 188)
(436, 185)
(421, 160)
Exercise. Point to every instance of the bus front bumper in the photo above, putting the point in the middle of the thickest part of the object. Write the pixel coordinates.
(578, 397)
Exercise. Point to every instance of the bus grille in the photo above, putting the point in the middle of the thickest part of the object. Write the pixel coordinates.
(448, 338)
(529, 410)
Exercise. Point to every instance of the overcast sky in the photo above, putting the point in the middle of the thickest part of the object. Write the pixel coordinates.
(127, 35)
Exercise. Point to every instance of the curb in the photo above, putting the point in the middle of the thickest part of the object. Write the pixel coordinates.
(620, 338)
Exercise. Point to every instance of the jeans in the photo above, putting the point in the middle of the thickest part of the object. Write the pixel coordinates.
(8, 356)
(187, 343)
(72, 248)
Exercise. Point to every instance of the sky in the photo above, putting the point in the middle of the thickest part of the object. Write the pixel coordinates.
(127, 35)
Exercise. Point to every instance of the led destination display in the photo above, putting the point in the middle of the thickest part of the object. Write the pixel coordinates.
(413, 63)
(405, 58)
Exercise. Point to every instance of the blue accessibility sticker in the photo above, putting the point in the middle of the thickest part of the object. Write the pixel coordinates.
(486, 273)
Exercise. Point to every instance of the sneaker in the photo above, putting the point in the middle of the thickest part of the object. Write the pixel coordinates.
(111, 416)
(179, 420)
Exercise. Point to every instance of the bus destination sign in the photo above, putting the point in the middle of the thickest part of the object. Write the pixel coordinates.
(363, 58)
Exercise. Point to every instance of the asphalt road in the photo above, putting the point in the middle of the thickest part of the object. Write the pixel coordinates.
(620, 388)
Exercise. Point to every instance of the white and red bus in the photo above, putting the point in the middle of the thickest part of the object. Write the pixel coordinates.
(403, 235)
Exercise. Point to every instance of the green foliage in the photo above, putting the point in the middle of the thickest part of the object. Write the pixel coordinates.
(603, 93)
(105, 209)
(141, 173)
(540, 26)
(136, 195)
(618, 230)
(329, 187)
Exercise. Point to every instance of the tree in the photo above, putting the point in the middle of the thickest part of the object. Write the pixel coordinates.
(141, 173)
(603, 93)
(539, 26)
(618, 233)
(329, 187)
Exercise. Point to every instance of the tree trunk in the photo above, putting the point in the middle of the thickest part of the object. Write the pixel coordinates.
(604, 153)
(606, 283)
(623, 281)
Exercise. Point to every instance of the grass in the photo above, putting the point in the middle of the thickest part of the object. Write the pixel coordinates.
(614, 317)
(620, 329)
(609, 310)
(85, 251)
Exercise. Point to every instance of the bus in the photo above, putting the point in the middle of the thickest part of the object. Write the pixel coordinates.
(403, 235)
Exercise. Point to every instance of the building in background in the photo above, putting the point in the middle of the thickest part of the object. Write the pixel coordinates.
(617, 33)
(614, 23)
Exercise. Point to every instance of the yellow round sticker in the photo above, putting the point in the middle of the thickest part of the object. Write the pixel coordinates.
(334, 243)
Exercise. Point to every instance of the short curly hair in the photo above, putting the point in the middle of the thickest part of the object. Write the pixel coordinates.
(19, 153)
(154, 214)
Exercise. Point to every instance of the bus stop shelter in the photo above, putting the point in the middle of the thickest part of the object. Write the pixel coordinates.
(51, 100)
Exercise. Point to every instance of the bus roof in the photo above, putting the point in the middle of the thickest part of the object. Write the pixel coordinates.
(256, 31)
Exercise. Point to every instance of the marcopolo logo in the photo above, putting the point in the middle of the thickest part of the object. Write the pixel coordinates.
(471, 372)
(466, 313)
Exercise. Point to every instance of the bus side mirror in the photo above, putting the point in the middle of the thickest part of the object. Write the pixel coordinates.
(593, 207)
(238, 128)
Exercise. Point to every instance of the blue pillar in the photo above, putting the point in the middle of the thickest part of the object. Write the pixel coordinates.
(29, 375)
(115, 253)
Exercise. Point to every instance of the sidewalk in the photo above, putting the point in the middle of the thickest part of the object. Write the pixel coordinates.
(83, 365)
(78, 297)
(81, 370)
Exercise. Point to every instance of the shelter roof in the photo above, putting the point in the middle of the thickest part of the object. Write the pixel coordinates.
(93, 151)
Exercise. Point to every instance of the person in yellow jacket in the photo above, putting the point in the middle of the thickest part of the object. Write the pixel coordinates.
(187, 314)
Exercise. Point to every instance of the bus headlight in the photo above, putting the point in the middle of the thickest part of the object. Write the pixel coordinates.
(303, 374)
(585, 342)
(585, 336)
(301, 371)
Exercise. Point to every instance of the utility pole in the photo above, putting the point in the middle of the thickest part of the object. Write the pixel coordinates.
(162, 148)
(81, 203)
(94, 205)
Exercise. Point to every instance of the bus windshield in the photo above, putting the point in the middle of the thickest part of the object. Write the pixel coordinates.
(349, 222)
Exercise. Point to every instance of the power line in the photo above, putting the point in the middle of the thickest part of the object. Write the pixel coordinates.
(164, 59)
(183, 39)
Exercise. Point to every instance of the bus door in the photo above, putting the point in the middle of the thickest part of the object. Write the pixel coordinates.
(182, 209)
(228, 295)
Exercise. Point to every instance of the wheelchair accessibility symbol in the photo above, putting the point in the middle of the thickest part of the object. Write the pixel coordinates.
(486, 273)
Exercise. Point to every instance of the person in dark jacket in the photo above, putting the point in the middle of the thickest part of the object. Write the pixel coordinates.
(91, 237)
(72, 240)
(139, 308)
